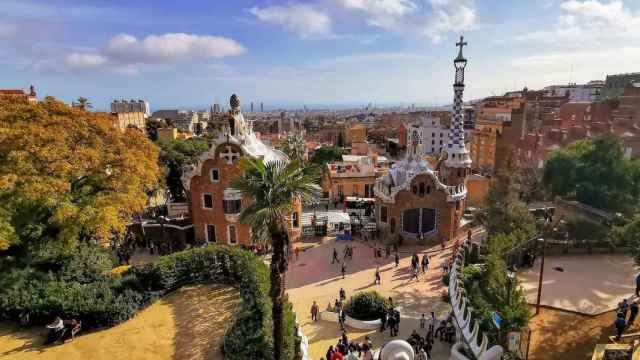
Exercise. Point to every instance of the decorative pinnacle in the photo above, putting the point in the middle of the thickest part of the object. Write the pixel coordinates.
(460, 44)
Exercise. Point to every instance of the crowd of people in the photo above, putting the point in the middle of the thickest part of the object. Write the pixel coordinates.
(345, 350)
(622, 322)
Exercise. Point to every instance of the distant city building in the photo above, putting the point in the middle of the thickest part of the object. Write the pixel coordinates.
(576, 93)
(252, 106)
(18, 94)
(614, 85)
(261, 107)
(132, 106)
(354, 176)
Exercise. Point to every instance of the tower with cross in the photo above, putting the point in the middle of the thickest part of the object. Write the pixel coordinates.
(457, 154)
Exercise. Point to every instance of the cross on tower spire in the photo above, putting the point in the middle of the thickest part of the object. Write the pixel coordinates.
(460, 44)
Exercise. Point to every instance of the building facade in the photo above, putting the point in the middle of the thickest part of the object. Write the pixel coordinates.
(21, 95)
(215, 206)
(417, 203)
(354, 176)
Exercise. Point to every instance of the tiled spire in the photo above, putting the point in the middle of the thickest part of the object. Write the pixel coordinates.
(458, 156)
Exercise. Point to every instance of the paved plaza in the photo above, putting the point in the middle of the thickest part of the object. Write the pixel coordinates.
(588, 284)
(313, 278)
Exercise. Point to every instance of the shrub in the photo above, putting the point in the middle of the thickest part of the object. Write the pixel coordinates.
(366, 306)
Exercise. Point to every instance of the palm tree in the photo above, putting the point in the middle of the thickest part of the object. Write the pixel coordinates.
(273, 186)
(83, 103)
(294, 146)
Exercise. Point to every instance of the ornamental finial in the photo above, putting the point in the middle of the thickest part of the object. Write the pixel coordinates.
(460, 44)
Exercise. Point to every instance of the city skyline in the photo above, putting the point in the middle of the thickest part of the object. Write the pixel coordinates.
(319, 53)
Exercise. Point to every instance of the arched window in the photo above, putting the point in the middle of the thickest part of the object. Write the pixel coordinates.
(421, 189)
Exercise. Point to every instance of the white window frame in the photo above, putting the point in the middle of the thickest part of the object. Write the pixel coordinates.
(206, 233)
(235, 230)
(211, 175)
(212, 201)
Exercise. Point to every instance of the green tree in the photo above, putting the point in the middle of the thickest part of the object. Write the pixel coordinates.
(273, 187)
(152, 126)
(176, 155)
(595, 172)
(67, 175)
(327, 154)
(628, 235)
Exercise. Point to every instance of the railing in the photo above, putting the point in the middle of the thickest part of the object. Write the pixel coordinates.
(469, 335)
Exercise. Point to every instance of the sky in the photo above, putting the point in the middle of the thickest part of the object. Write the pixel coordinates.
(190, 53)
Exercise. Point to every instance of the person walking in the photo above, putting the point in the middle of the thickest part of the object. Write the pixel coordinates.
(335, 258)
(623, 307)
(297, 252)
(397, 259)
(330, 352)
(343, 270)
(432, 323)
(425, 263)
(414, 272)
(391, 323)
(343, 294)
(633, 312)
(315, 309)
(423, 322)
(620, 324)
(377, 280)
(396, 321)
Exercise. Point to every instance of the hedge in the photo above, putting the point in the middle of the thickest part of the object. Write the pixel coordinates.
(367, 306)
(115, 299)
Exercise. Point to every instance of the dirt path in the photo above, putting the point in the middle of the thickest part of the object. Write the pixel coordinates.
(188, 324)
(563, 335)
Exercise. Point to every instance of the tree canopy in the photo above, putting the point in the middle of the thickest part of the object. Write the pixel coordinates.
(327, 154)
(175, 155)
(595, 172)
(67, 175)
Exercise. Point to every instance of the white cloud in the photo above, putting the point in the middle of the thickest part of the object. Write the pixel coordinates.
(433, 20)
(126, 54)
(85, 61)
(304, 20)
(589, 22)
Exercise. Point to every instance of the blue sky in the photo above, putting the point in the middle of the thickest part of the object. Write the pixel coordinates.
(290, 53)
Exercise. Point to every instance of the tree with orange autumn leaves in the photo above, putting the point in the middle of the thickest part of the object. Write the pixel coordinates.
(68, 175)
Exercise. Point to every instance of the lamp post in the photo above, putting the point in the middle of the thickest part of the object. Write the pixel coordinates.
(544, 246)
(510, 277)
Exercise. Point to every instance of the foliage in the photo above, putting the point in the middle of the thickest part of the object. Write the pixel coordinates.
(628, 235)
(581, 229)
(366, 306)
(505, 212)
(294, 146)
(489, 289)
(175, 155)
(152, 126)
(596, 173)
(327, 154)
(68, 175)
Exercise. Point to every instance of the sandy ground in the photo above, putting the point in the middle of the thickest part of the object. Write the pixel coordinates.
(561, 335)
(188, 324)
(589, 284)
(312, 277)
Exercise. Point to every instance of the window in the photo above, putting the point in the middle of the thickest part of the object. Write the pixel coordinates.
(393, 225)
(232, 206)
(355, 190)
(215, 175)
(383, 214)
(414, 189)
(368, 190)
(433, 134)
(294, 219)
(422, 189)
(210, 234)
(207, 201)
(233, 239)
(433, 142)
(440, 142)
(441, 134)
(428, 189)
(340, 190)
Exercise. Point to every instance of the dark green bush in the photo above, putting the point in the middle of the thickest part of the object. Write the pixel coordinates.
(366, 306)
